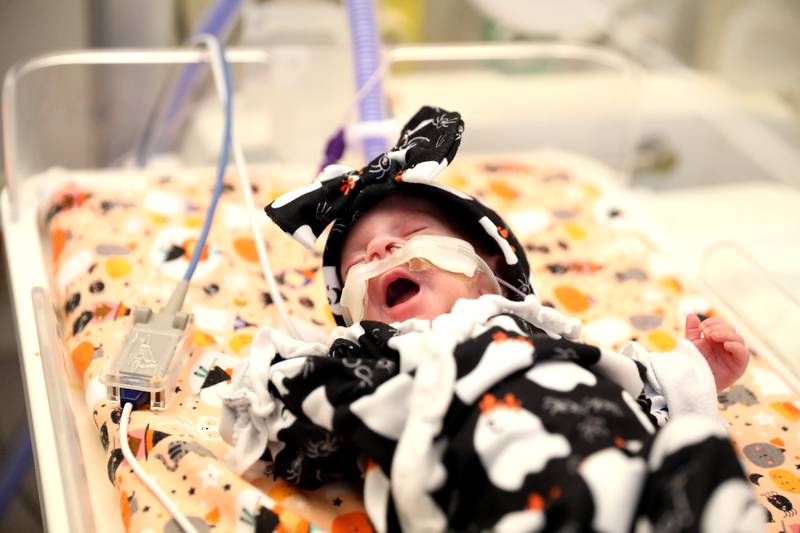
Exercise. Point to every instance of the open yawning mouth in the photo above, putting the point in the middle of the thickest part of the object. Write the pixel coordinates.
(400, 291)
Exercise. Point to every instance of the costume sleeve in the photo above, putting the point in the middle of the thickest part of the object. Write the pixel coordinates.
(352, 393)
(307, 408)
(675, 382)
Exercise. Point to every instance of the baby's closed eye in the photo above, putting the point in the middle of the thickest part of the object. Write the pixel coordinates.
(416, 230)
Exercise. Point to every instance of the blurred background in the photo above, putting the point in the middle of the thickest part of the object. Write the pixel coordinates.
(746, 46)
(746, 49)
(751, 45)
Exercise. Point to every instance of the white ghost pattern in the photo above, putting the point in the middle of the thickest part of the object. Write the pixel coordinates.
(527, 520)
(615, 503)
(511, 442)
(561, 376)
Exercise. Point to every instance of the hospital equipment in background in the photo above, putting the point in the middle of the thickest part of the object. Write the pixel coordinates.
(551, 82)
(35, 142)
(366, 60)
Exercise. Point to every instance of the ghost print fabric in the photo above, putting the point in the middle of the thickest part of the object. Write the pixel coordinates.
(493, 417)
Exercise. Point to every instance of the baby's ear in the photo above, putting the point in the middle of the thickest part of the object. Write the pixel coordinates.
(502, 271)
(495, 262)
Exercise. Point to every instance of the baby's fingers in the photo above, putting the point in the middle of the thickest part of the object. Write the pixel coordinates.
(712, 321)
(723, 333)
(692, 327)
(737, 350)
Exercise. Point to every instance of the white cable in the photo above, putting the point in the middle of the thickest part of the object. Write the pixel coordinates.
(263, 257)
(374, 78)
(179, 517)
(509, 286)
(217, 70)
(176, 513)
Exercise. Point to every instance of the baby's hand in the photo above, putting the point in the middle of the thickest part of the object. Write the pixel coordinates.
(722, 347)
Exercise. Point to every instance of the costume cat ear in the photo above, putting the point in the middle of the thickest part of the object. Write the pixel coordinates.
(427, 144)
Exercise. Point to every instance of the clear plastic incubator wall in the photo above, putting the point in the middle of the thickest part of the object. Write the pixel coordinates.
(107, 185)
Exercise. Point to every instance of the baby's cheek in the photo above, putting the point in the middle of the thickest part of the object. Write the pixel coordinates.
(452, 287)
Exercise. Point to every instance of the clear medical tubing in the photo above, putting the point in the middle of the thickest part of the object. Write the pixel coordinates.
(366, 57)
(445, 253)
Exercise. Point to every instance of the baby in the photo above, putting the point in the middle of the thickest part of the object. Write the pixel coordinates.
(400, 216)
(476, 407)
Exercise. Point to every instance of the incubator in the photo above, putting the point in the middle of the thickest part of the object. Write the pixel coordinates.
(536, 106)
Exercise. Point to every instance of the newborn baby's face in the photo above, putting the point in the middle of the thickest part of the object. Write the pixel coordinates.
(400, 293)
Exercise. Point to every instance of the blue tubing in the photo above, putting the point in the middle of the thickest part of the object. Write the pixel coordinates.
(366, 56)
(217, 18)
(215, 21)
(17, 466)
(222, 164)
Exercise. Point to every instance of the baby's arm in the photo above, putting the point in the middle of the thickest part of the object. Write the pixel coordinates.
(252, 415)
(722, 347)
(304, 405)
(674, 383)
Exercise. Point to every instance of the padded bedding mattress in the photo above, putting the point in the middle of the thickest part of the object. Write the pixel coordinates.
(126, 243)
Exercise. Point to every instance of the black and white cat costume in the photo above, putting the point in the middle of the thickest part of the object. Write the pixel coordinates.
(492, 417)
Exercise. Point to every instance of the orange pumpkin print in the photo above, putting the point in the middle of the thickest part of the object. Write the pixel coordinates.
(58, 238)
(125, 509)
(81, 356)
(188, 246)
(572, 299)
(503, 190)
(246, 248)
(352, 523)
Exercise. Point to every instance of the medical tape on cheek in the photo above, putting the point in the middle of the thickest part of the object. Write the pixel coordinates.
(420, 253)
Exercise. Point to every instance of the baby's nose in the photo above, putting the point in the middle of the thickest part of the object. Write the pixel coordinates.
(380, 247)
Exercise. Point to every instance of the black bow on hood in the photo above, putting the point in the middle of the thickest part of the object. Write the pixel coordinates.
(339, 195)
